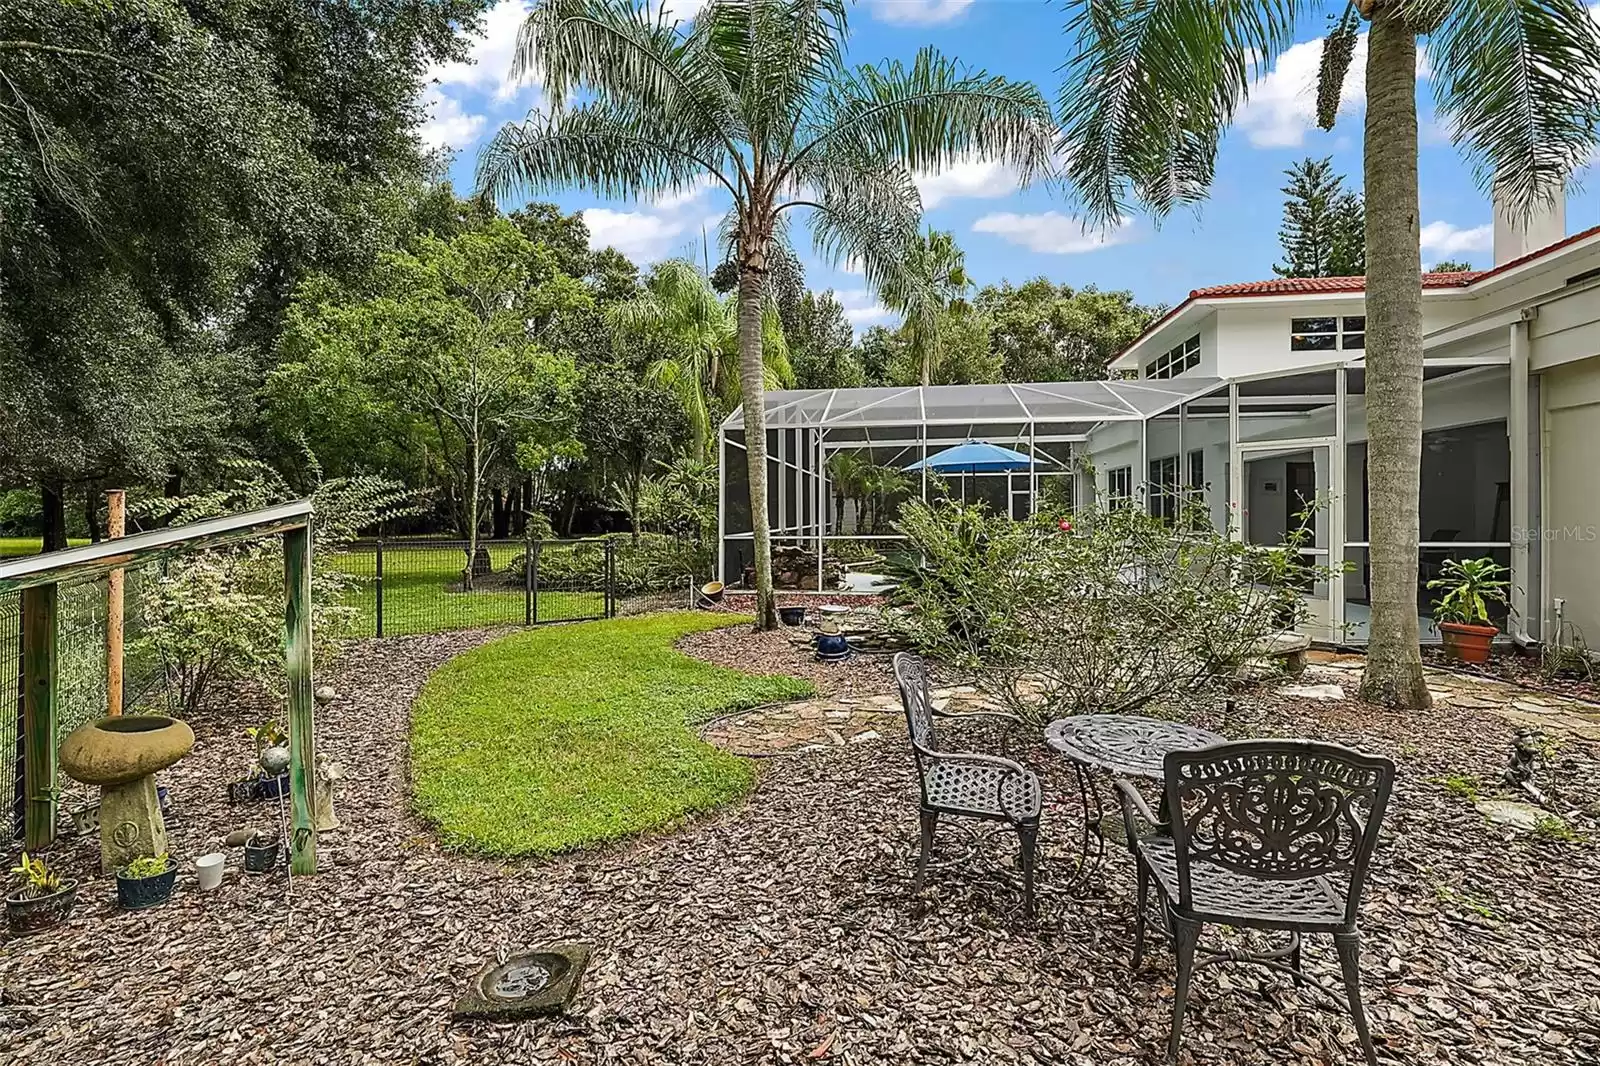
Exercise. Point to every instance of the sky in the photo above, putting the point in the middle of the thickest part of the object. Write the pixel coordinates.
(1010, 233)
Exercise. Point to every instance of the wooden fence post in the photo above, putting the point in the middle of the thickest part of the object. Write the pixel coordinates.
(116, 526)
(39, 690)
(302, 728)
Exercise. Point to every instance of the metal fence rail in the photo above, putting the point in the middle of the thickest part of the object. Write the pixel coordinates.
(405, 586)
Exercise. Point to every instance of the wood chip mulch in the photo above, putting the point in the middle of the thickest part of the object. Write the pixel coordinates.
(782, 651)
(783, 930)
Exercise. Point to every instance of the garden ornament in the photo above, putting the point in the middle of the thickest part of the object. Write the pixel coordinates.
(121, 754)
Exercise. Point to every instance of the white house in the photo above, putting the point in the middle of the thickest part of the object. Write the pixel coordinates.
(1511, 425)
(1250, 398)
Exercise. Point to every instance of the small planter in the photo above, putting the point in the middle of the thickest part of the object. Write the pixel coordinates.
(208, 870)
(832, 648)
(711, 592)
(260, 858)
(792, 616)
(1468, 643)
(30, 914)
(164, 799)
(243, 791)
(139, 893)
(273, 787)
(86, 819)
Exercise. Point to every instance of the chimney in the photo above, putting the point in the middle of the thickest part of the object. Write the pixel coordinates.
(1515, 236)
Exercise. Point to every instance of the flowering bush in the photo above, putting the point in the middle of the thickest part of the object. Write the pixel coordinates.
(1101, 612)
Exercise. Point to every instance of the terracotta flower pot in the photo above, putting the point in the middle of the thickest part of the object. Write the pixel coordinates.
(1468, 643)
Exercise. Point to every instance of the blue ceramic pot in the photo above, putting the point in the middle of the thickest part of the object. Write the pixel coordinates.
(832, 647)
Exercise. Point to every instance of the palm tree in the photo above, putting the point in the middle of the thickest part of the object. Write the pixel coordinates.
(755, 94)
(1152, 85)
(932, 281)
(680, 305)
(845, 472)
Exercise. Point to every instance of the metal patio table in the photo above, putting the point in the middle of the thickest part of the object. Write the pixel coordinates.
(1115, 745)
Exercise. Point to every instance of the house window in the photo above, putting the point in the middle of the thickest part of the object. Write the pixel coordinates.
(1170, 364)
(1164, 488)
(1328, 334)
(1197, 469)
(1119, 487)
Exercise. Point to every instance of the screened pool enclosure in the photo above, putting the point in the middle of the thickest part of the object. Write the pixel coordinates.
(841, 462)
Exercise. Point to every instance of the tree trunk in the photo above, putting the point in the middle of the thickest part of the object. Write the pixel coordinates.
(52, 496)
(473, 499)
(752, 284)
(1394, 363)
(500, 504)
(91, 514)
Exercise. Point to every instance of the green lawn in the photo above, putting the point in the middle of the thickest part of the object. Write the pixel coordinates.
(560, 738)
(420, 593)
(10, 546)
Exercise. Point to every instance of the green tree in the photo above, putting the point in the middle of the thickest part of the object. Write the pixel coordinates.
(1042, 331)
(1150, 88)
(448, 335)
(628, 428)
(965, 357)
(929, 291)
(755, 95)
(679, 307)
(1323, 231)
(1450, 266)
(821, 345)
(878, 351)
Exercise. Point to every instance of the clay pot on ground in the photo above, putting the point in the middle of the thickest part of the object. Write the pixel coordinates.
(260, 854)
(30, 914)
(120, 754)
(137, 893)
(1468, 643)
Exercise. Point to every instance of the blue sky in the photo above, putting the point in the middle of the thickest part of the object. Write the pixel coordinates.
(1009, 233)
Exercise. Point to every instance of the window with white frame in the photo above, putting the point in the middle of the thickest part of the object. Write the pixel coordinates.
(1170, 364)
(1330, 333)
(1119, 487)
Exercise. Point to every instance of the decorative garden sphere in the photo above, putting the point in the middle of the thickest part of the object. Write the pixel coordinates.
(324, 695)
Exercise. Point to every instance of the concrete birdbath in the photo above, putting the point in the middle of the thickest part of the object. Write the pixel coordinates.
(121, 754)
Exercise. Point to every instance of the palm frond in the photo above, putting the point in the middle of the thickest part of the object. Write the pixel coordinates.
(929, 115)
(1149, 89)
(869, 215)
(1518, 81)
(1338, 51)
(608, 149)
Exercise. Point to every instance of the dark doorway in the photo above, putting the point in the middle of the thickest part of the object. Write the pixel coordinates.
(1301, 492)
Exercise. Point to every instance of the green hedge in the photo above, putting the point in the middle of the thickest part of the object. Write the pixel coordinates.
(656, 563)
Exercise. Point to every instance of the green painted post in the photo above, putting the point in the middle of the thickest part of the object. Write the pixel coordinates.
(302, 729)
(39, 690)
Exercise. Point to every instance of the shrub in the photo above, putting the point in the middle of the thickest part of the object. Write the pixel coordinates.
(652, 563)
(1100, 612)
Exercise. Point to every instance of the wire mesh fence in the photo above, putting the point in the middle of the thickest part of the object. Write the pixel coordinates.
(409, 586)
(81, 672)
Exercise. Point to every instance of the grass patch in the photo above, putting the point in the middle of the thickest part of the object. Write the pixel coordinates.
(571, 736)
(13, 546)
(1466, 786)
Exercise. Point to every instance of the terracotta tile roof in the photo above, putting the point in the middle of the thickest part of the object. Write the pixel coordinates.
(1292, 286)
(1295, 286)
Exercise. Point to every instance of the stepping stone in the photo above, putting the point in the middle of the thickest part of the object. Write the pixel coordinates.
(1533, 707)
(1513, 813)
(1313, 692)
(838, 716)
(864, 735)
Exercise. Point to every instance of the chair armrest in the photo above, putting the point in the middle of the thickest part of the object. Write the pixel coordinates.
(1133, 803)
(958, 715)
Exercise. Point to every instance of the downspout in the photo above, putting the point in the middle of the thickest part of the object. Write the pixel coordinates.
(1521, 471)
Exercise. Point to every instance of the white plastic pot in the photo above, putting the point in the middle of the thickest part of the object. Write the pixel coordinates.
(209, 869)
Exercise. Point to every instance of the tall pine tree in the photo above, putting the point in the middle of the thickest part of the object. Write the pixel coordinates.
(1323, 224)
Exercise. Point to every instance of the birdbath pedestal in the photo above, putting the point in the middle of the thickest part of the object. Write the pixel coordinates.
(121, 754)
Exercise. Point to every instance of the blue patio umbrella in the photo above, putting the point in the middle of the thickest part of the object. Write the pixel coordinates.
(974, 457)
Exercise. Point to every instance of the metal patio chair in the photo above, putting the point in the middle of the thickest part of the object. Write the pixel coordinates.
(1274, 835)
(965, 784)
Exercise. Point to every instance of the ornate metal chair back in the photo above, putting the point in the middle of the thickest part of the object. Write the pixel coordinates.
(912, 676)
(1282, 810)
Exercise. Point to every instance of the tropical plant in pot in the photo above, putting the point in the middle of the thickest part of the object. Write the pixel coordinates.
(1462, 612)
(260, 853)
(146, 882)
(45, 898)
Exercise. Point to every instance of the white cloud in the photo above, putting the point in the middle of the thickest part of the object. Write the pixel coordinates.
(489, 64)
(649, 236)
(862, 308)
(1449, 241)
(447, 125)
(1052, 232)
(973, 179)
(674, 201)
(918, 12)
(1282, 104)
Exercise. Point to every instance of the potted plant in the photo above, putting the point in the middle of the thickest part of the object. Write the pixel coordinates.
(260, 854)
(44, 900)
(1462, 613)
(146, 882)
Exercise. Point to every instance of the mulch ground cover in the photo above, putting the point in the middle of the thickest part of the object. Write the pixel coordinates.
(783, 931)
